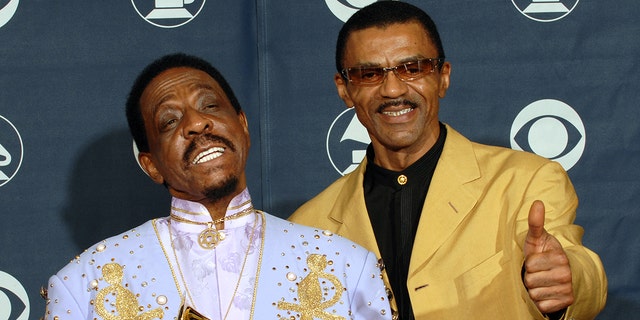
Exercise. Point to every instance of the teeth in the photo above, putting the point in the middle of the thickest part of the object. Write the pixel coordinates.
(397, 113)
(208, 155)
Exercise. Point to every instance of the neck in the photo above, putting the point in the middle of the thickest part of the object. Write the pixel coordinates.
(217, 210)
(398, 159)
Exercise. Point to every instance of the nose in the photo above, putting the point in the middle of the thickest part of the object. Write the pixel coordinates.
(195, 123)
(392, 86)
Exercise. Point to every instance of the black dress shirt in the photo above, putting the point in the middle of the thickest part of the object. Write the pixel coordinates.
(394, 201)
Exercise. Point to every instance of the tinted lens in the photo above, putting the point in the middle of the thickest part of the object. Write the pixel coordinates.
(365, 75)
(414, 69)
(407, 71)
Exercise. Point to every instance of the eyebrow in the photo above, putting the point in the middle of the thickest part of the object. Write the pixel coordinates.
(169, 96)
(377, 65)
(209, 91)
(164, 99)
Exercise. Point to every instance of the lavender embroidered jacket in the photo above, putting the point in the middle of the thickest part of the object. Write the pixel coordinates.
(290, 269)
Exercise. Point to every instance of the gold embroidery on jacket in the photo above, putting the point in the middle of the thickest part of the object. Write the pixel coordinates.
(310, 293)
(126, 303)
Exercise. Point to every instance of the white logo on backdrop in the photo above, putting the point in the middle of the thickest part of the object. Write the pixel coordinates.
(13, 299)
(11, 151)
(545, 10)
(168, 13)
(344, 11)
(8, 11)
(347, 142)
(552, 129)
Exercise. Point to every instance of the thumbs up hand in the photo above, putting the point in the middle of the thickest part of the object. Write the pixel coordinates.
(547, 273)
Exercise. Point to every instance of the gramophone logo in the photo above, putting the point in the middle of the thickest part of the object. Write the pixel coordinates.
(168, 13)
(545, 10)
(344, 11)
(347, 142)
(7, 11)
(10, 151)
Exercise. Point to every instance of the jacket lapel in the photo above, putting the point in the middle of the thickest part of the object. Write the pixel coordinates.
(449, 200)
(351, 211)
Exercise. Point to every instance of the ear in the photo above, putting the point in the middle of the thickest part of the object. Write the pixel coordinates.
(147, 164)
(244, 121)
(445, 73)
(341, 86)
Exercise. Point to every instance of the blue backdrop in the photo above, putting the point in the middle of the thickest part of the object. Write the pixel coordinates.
(558, 77)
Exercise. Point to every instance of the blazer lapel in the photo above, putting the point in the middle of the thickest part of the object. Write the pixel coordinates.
(351, 211)
(449, 200)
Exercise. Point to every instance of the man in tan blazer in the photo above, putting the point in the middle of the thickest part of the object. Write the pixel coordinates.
(464, 230)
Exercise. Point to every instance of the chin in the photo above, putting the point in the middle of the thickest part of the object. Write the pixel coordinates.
(226, 188)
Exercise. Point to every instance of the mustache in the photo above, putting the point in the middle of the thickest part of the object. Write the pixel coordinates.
(395, 103)
(202, 139)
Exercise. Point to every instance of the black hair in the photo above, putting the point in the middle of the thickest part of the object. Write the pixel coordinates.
(382, 14)
(176, 60)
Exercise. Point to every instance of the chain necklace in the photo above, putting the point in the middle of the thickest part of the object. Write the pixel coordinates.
(210, 236)
(244, 262)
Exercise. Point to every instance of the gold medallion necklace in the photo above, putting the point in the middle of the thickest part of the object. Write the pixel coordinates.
(210, 236)
(244, 262)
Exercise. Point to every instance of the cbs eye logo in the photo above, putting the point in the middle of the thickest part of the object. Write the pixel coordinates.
(14, 302)
(7, 11)
(10, 151)
(551, 129)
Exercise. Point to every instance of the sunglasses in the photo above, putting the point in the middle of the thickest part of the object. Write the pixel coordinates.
(408, 71)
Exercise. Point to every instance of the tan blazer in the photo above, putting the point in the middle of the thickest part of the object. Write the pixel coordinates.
(467, 256)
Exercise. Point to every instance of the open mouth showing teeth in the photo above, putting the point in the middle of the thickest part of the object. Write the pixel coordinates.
(397, 113)
(208, 155)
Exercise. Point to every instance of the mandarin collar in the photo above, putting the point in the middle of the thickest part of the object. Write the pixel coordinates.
(195, 211)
